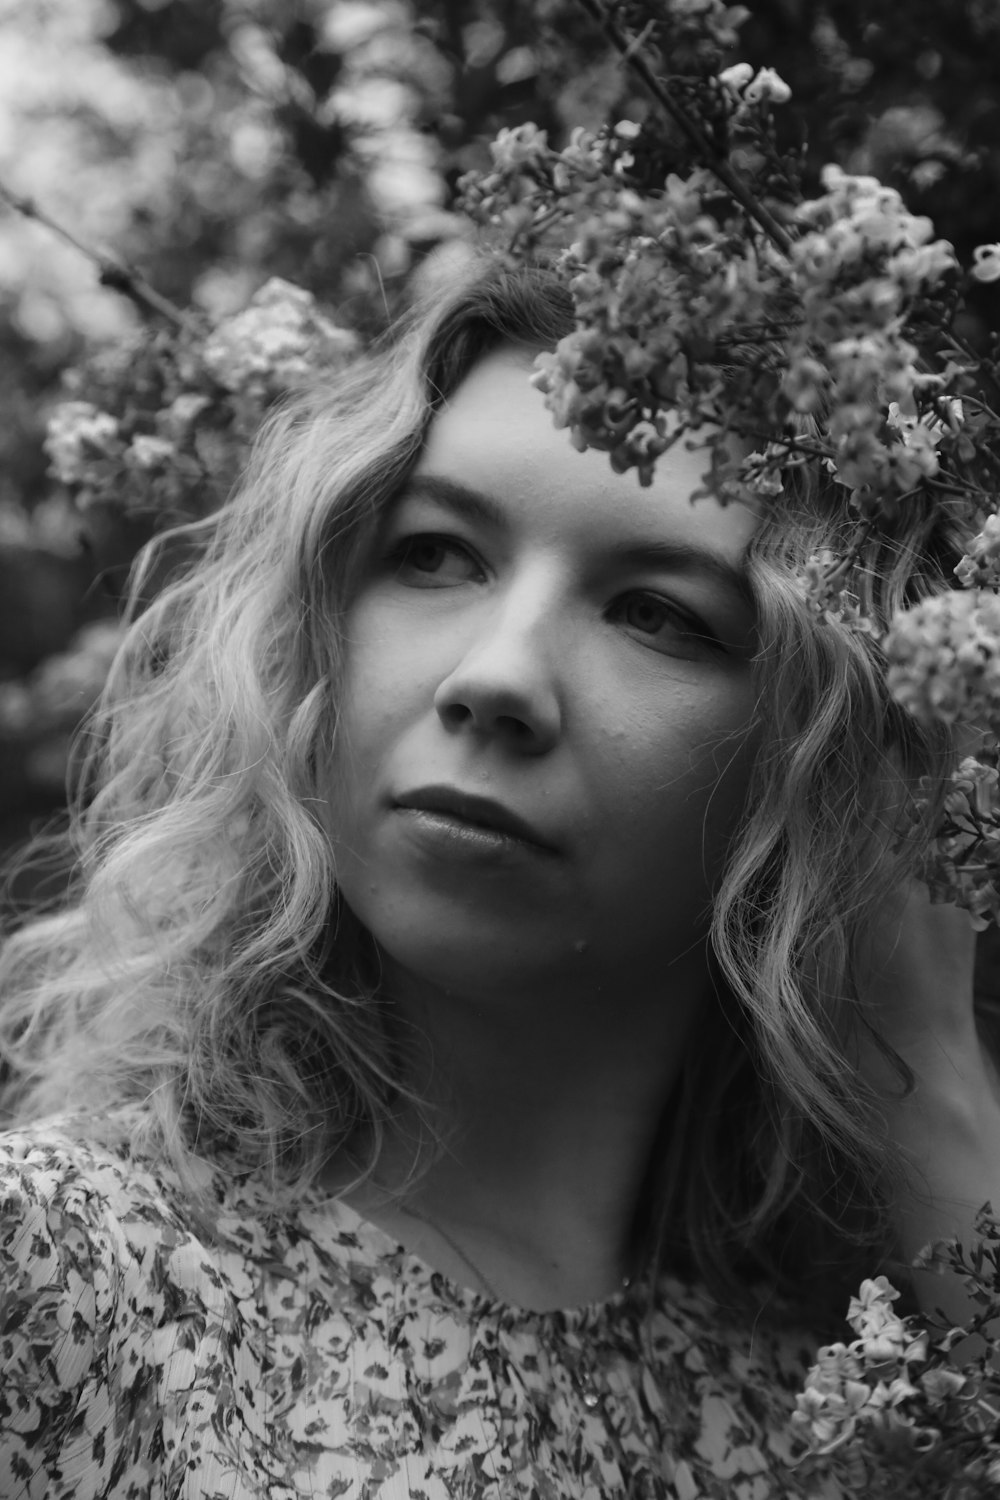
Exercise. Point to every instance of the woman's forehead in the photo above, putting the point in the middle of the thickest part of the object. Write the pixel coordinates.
(495, 436)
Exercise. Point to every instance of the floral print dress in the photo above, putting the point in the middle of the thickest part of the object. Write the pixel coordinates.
(308, 1356)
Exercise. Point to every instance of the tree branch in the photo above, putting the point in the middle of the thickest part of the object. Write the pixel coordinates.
(633, 58)
(112, 272)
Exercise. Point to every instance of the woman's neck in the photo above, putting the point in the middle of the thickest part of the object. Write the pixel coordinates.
(550, 1105)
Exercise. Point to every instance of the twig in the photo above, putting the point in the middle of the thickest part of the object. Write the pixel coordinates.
(112, 272)
(706, 151)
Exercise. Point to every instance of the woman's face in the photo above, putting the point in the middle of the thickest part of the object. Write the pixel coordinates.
(545, 731)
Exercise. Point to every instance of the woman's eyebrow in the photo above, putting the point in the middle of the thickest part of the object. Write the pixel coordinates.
(689, 558)
(682, 556)
(471, 504)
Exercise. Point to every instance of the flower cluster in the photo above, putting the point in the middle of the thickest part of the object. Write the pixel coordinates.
(276, 344)
(964, 862)
(893, 1405)
(860, 264)
(179, 407)
(688, 314)
(78, 436)
(943, 658)
(825, 586)
(629, 380)
(668, 288)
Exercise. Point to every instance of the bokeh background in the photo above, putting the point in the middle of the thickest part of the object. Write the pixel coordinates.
(213, 144)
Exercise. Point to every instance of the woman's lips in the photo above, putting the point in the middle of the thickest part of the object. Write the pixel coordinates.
(451, 814)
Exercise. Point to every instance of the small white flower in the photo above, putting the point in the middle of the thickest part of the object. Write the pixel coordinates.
(148, 452)
(986, 262)
(737, 77)
(767, 88)
(952, 411)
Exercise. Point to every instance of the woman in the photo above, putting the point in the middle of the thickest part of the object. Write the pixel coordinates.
(477, 1056)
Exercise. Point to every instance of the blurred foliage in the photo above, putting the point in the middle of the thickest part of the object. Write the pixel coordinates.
(216, 144)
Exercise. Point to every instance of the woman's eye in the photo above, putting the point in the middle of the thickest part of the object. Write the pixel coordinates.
(663, 625)
(428, 561)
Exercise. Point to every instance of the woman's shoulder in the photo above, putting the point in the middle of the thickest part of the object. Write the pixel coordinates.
(106, 1193)
(94, 1164)
(58, 1275)
(72, 1188)
(119, 1311)
(73, 1200)
(132, 1309)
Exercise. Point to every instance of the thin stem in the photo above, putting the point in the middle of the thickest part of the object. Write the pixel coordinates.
(963, 491)
(712, 159)
(550, 216)
(852, 555)
(980, 404)
(112, 272)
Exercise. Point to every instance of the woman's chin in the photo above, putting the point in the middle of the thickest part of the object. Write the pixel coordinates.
(476, 963)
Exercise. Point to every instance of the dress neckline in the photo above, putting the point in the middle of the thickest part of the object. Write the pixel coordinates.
(320, 1214)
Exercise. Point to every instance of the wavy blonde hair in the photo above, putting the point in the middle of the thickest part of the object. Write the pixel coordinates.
(203, 963)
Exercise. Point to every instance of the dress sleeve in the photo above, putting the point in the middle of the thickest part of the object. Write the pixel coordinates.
(57, 1293)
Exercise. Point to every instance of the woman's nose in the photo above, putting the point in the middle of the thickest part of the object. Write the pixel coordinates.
(504, 684)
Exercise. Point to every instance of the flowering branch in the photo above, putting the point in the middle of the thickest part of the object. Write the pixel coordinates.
(894, 1407)
(167, 425)
(112, 271)
(632, 56)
